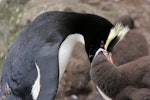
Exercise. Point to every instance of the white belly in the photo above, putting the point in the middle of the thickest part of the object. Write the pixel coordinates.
(66, 49)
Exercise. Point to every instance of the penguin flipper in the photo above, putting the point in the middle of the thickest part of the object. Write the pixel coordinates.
(46, 84)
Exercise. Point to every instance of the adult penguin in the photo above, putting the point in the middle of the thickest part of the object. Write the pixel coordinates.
(39, 55)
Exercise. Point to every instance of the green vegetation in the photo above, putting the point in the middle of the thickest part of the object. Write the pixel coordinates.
(10, 27)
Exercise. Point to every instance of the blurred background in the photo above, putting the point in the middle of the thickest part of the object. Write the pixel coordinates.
(15, 15)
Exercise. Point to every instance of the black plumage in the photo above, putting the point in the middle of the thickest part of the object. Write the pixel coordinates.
(39, 43)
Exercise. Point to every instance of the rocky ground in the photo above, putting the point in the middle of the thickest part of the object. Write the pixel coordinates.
(76, 84)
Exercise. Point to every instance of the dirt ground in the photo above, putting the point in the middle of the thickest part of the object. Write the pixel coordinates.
(75, 84)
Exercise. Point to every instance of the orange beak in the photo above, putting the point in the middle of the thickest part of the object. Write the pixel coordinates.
(109, 57)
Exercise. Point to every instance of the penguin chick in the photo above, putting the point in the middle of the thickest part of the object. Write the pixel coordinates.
(112, 79)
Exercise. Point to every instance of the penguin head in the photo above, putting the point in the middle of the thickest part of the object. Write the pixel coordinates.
(116, 34)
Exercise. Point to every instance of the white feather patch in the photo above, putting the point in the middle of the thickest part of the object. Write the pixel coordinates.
(66, 49)
(105, 97)
(36, 86)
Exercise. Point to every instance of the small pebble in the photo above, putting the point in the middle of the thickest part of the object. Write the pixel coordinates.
(74, 97)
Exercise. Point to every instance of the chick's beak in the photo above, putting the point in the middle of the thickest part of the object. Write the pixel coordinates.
(109, 57)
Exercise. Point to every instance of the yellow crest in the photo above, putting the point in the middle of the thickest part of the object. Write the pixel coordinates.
(118, 31)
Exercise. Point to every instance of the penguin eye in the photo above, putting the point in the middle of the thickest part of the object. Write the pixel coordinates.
(102, 44)
(91, 57)
(90, 54)
(91, 50)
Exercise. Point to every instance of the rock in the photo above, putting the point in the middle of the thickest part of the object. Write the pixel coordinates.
(91, 2)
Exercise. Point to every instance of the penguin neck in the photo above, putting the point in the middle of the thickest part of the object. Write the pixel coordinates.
(93, 28)
(106, 76)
